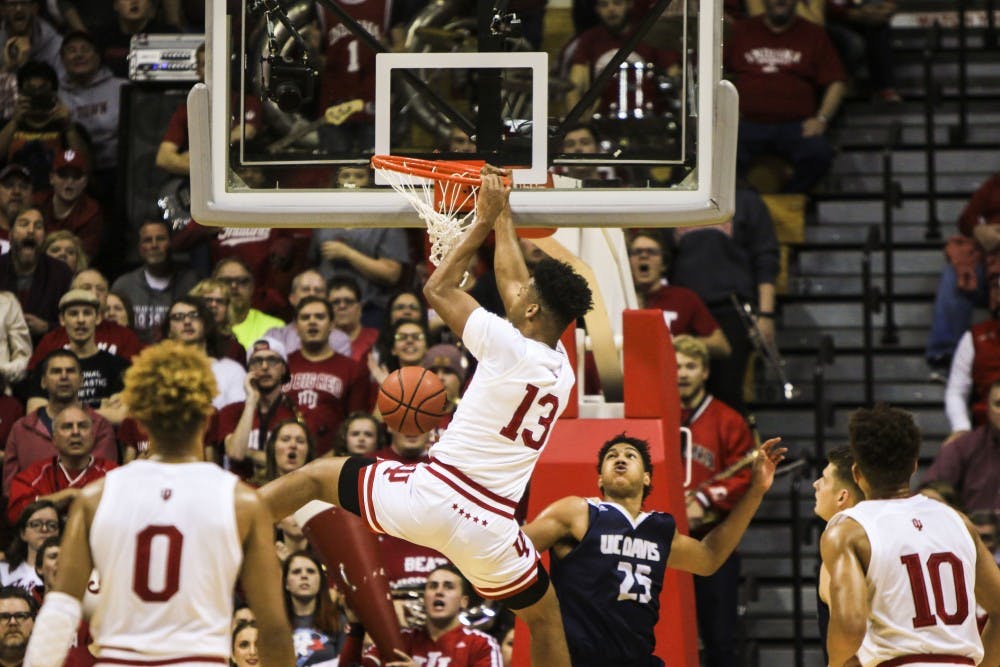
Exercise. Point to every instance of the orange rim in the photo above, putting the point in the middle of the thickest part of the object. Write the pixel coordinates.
(465, 173)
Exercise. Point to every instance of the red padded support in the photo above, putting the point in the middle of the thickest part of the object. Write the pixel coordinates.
(568, 466)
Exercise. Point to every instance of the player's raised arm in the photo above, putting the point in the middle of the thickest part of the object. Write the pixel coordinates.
(849, 607)
(703, 557)
(442, 289)
(55, 627)
(260, 577)
(564, 519)
(508, 260)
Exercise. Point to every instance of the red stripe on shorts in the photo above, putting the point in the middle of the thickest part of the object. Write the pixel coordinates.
(476, 486)
(936, 658)
(468, 494)
(369, 505)
(166, 661)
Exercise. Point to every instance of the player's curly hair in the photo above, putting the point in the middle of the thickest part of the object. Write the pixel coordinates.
(169, 390)
(885, 443)
(640, 445)
(563, 291)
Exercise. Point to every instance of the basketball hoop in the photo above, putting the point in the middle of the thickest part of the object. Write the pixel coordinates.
(443, 193)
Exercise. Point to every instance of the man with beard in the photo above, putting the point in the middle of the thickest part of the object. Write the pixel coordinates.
(39, 281)
(17, 620)
(101, 370)
(60, 478)
(24, 30)
(243, 428)
(781, 64)
(15, 195)
(30, 438)
(594, 48)
(68, 206)
(720, 438)
(157, 283)
(326, 385)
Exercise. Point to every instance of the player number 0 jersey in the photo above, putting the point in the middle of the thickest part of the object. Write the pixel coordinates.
(165, 543)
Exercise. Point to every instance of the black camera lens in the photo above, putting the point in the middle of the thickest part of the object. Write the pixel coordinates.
(287, 96)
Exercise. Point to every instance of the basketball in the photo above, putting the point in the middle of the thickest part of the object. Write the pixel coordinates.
(412, 400)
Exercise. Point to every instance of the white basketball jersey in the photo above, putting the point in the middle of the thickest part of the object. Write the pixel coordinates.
(167, 549)
(506, 415)
(921, 581)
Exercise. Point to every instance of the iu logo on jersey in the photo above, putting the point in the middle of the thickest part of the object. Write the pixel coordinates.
(918, 524)
(166, 493)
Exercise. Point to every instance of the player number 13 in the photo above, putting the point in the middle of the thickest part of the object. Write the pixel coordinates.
(513, 427)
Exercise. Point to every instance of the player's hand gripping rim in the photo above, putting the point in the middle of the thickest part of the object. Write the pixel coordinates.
(494, 193)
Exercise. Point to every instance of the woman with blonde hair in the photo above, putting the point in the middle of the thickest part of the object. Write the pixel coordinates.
(66, 247)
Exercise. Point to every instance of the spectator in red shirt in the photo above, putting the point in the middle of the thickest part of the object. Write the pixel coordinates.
(683, 310)
(781, 64)
(245, 428)
(110, 336)
(405, 448)
(325, 385)
(68, 206)
(591, 51)
(345, 296)
(30, 439)
(289, 447)
(446, 595)
(60, 478)
(720, 438)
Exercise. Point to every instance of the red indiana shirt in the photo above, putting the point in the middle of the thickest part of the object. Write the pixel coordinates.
(406, 564)
(132, 435)
(459, 647)
(46, 477)
(720, 438)
(780, 76)
(325, 392)
(683, 310)
(229, 417)
(349, 64)
(85, 220)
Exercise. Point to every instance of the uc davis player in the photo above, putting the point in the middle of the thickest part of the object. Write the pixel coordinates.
(609, 557)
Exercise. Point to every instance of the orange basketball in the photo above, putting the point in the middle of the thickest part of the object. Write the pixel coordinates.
(412, 400)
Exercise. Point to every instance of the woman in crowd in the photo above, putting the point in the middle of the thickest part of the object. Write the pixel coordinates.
(215, 294)
(359, 435)
(316, 620)
(67, 248)
(38, 521)
(119, 309)
(289, 447)
(244, 648)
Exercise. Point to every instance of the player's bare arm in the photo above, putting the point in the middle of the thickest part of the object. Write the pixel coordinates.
(987, 596)
(317, 480)
(260, 577)
(703, 557)
(564, 522)
(508, 260)
(846, 551)
(443, 288)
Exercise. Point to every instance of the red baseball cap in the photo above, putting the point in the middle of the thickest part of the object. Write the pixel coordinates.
(69, 158)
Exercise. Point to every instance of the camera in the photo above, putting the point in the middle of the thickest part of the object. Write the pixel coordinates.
(288, 83)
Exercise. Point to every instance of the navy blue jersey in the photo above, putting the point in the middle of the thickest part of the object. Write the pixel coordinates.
(609, 586)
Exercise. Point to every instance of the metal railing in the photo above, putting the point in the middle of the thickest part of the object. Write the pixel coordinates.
(892, 198)
(871, 302)
(932, 90)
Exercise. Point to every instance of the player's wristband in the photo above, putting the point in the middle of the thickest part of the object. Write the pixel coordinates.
(54, 631)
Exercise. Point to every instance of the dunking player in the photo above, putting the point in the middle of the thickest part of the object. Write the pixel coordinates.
(165, 597)
(909, 570)
(462, 502)
(609, 557)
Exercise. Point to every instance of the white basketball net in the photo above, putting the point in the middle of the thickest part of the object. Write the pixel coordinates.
(446, 222)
